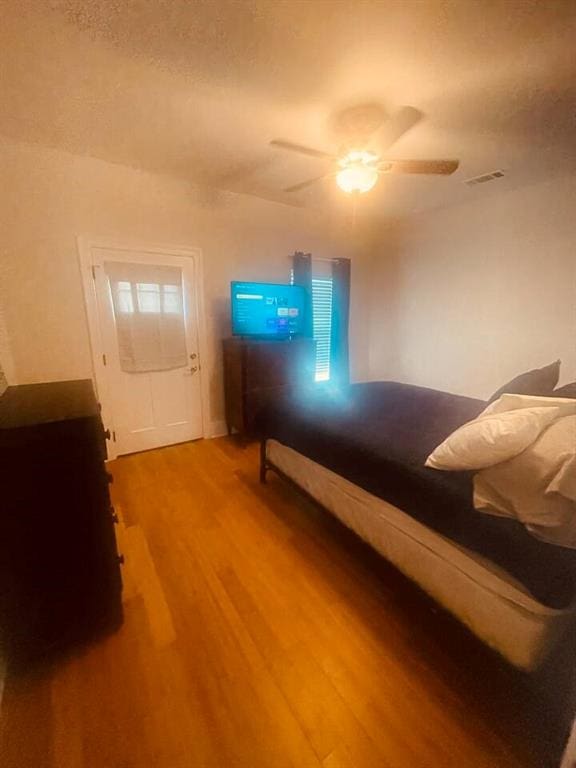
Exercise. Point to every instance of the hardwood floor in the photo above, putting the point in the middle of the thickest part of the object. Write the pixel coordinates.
(260, 634)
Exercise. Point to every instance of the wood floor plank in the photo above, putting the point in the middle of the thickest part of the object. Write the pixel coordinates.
(260, 634)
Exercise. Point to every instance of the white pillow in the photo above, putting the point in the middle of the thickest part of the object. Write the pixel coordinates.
(537, 487)
(511, 402)
(491, 439)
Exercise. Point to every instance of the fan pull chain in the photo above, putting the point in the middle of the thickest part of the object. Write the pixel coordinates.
(354, 206)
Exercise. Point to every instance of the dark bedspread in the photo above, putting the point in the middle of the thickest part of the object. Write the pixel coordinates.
(378, 436)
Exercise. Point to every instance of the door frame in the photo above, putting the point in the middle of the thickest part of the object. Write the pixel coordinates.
(86, 245)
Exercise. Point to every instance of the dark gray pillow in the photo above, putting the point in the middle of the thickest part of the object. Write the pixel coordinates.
(540, 381)
(568, 390)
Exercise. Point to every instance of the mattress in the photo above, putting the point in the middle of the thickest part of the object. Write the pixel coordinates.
(495, 606)
(378, 436)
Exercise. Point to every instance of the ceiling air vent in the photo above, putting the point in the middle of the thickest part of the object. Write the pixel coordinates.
(484, 178)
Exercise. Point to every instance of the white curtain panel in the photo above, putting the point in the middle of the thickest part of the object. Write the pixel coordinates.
(149, 314)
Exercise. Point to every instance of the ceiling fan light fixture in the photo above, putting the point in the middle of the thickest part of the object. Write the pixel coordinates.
(357, 178)
(357, 169)
(358, 172)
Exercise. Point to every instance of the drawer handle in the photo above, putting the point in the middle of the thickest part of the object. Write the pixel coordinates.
(114, 516)
(107, 434)
(121, 559)
(109, 478)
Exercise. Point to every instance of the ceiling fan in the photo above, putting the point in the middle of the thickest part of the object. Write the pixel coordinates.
(357, 168)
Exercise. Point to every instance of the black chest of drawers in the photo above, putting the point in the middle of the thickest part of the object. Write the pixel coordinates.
(260, 372)
(60, 580)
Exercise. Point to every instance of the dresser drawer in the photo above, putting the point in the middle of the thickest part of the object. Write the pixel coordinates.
(274, 364)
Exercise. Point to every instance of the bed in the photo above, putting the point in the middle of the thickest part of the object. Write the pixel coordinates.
(360, 452)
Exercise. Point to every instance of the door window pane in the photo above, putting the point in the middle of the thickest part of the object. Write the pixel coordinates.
(172, 299)
(148, 297)
(124, 293)
(149, 316)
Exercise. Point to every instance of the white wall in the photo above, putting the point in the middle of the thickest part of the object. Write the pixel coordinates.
(49, 197)
(465, 298)
(6, 360)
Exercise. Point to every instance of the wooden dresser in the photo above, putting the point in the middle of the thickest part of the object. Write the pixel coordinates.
(257, 372)
(60, 577)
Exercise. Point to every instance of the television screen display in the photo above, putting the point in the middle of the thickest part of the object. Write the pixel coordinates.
(267, 309)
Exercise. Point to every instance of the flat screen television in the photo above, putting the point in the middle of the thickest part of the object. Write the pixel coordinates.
(267, 310)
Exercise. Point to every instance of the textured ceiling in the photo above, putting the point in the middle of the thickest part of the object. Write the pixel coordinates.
(197, 89)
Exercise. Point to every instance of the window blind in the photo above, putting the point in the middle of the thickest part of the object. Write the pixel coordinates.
(322, 324)
(149, 316)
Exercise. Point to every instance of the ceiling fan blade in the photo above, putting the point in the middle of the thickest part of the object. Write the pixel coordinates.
(309, 151)
(438, 167)
(398, 125)
(304, 184)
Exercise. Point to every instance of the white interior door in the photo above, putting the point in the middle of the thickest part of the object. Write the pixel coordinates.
(148, 408)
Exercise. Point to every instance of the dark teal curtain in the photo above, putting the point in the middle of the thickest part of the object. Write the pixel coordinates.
(302, 270)
(339, 355)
